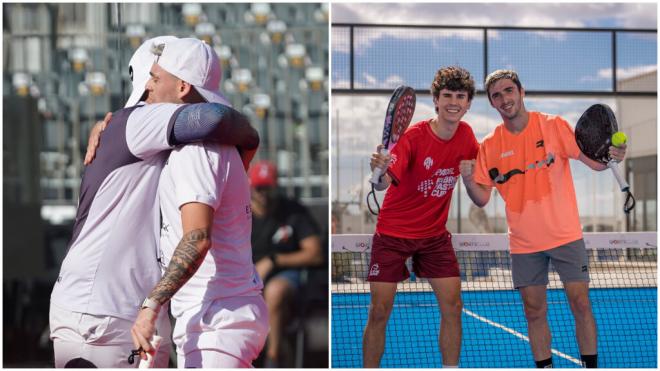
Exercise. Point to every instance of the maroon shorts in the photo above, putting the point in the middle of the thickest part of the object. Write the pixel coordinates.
(432, 257)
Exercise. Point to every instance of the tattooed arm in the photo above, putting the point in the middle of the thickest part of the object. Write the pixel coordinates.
(189, 254)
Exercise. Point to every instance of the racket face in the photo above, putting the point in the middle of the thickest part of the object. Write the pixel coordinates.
(593, 132)
(399, 113)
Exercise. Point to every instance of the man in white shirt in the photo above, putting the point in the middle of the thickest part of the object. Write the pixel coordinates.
(112, 261)
(215, 292)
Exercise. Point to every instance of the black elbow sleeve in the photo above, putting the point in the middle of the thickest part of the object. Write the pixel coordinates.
(198, 122)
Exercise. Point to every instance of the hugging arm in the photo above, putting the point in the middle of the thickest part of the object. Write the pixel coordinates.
(214, 122)
(195, 123)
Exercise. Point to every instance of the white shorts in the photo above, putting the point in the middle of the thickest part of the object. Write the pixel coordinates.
(225, 333)
(104, 341)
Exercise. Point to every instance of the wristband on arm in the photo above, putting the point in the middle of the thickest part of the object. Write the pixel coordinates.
(382, 184)
(151, 304)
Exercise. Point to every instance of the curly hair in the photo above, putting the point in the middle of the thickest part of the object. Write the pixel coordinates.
(453, 78)
(498, 75)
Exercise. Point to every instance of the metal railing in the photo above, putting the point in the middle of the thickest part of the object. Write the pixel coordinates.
(486, 63)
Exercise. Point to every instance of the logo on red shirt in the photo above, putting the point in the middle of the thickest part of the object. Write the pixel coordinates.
(439, 187)
(428, 162)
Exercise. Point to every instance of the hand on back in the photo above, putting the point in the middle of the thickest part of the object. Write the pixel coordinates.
(95, 138)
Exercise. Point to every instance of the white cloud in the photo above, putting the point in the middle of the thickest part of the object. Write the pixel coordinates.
(373, 82)
(365, 37)
(624, 73)
(341, 84)
(570, 109)
(621, 73)
(482, 124)
(636, 15)
(629, 15)
(476, 14)
(393, 80)
(554, 35)
(340, 40)
(361, 120)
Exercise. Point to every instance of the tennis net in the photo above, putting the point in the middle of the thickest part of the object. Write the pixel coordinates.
(623, 293)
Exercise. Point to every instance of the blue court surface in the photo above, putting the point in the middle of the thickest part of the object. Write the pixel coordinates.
(494, 330)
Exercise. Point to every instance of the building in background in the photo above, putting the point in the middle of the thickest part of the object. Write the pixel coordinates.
(638, 118)
(66, 65)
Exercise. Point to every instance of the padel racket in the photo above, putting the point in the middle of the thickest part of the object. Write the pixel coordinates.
(593, 134)
(397, 118)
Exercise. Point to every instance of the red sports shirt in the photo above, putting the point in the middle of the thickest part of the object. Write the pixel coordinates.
(424, 171)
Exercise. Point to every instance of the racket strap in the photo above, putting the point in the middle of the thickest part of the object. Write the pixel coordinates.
(630, 202)
(372, 195)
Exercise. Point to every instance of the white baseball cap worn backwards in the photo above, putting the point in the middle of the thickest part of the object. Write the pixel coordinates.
(196, 63)
(140, 65)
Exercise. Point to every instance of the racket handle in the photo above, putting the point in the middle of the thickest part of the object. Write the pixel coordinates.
(151, 356)
(619, 178)
(377, 172)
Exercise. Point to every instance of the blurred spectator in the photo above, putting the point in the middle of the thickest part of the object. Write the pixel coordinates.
(285, 239)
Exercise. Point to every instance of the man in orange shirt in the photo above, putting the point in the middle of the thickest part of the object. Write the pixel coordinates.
(526, 159)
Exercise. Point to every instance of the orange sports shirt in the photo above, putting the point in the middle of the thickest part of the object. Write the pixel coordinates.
(532, 173)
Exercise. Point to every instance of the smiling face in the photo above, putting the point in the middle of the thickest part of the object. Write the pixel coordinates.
(507, 98)
(451, 105)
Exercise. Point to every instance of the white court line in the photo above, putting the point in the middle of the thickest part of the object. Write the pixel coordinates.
(518, 335)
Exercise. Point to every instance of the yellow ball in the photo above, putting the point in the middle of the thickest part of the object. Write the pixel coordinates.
(619, 138)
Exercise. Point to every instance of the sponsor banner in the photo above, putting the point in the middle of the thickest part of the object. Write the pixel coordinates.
(500, 242)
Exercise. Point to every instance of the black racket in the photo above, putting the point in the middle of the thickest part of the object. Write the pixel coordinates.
(399, 113)
(397, 118)
(593, 134)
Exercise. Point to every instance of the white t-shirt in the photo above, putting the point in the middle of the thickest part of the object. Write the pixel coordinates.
(211, 174)
(111, 265)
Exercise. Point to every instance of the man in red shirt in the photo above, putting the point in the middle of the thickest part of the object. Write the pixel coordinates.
(423, 168)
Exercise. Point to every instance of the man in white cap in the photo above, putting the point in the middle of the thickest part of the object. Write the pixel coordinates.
(215, 291)
(113, 257)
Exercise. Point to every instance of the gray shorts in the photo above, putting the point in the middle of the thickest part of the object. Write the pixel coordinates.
(569, 260)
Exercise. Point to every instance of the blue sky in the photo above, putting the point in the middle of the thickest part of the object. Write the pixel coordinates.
(541, 58)
(544, 60)
(553, 60)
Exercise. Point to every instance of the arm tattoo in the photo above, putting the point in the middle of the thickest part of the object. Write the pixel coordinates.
(187, 258)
